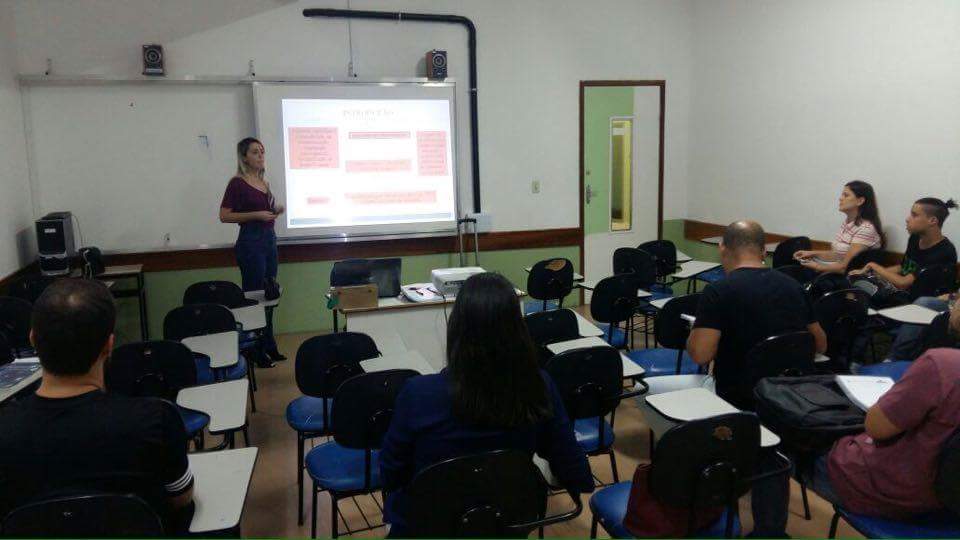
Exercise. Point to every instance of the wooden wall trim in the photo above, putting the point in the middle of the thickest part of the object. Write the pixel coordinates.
(698, 230)
(161, 261)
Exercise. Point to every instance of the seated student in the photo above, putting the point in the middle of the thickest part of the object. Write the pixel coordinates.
(749, 305)
(926, 247)
(72, 438)
(491, 396)
(861, 230)
(889, 470)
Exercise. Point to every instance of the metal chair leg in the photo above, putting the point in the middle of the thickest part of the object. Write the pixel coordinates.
(334, 523)
(833, 524)
(593, 527)
(253, 398)
(806, 504)
(300, 442)
(613, 467)
(313, 513)
(246, 436)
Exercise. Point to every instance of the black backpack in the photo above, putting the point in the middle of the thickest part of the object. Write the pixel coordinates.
(808, 413)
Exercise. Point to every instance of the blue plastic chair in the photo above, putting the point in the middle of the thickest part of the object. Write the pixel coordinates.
(609, 507)
(349, 465)
(894, 370)
(671, 331)
(323, 363)
(590, 382)
(942, 524)
(694, 468)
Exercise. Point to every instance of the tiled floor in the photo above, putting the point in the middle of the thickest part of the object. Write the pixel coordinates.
(271, 509)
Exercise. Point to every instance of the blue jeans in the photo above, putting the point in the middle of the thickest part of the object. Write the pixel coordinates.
(772, 496)
(909, 340)
(256, 251)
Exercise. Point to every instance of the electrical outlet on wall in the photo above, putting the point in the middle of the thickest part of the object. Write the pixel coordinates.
(535, 186)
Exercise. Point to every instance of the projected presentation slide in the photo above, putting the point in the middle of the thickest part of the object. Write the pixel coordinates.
(367, 162)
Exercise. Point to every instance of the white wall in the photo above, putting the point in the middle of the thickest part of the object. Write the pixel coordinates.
(16, 208)
(531, 56)
(793, 98)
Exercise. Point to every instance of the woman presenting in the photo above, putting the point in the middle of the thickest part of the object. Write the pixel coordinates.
(249, 203)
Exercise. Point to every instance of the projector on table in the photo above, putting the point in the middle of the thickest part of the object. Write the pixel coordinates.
(447, 281)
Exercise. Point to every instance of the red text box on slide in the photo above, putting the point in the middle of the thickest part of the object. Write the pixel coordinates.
(378, 165)
(432, 153)
(393, 197)
(314, 148)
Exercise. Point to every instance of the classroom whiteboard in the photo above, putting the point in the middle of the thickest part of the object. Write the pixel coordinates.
(137, 162)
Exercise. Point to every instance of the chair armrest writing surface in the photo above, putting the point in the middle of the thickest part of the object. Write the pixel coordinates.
(585, 327)
(690, 269)
(221, 483)
(250, 317)
(630, 368)
(909, 314)
(223, 348)
(697, 403)
(261, 298)
(402, 360)
(224, 402)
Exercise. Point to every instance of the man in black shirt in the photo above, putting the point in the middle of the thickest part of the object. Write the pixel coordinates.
(749, 305)
(72, 438)
(926, 247)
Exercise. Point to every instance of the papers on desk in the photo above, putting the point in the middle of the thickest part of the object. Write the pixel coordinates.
(864, 391)
(909, 314)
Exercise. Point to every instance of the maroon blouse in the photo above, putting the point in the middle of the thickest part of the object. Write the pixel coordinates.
(242, 197)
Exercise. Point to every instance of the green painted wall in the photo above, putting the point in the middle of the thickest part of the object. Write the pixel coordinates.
(600, 103)
(304, 308)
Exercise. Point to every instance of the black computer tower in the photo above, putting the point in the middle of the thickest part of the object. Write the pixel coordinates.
(55, 244)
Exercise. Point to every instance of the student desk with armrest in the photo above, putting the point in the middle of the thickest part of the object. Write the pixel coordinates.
(226, 405)
(221, 483)
(665, 410)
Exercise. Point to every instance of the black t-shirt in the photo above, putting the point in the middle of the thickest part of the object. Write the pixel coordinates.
(916, 259)
(94, 442)
(748, 306)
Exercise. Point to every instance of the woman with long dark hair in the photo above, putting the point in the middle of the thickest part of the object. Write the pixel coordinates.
(491, 396)
(861, 230)
(249, 203)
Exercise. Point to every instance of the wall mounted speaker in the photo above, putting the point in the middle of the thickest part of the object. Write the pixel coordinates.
(436, 64)
(152, 60)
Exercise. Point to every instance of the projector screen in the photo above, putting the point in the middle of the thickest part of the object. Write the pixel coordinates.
(360, 159)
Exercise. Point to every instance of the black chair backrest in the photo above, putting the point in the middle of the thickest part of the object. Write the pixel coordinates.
(937, 333)
(550, 279)
(706, 462)
(151, 369)
(841, 314)
(947, 481)
(15, 323)
(197, 320)
(84, 516)
(324, 362)
(350, 272)
(866, 256)
(783, 254)
(671, 329)
(665, 255)
(614, 299)
(484, 495)
(590, 380)
(30, 288)
(637, 262)
(784, 355)
(225, 293)
(934, 280)
(799, 273)
(548, 327)
(363, 407)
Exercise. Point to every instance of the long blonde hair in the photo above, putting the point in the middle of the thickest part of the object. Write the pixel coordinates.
(242, 148)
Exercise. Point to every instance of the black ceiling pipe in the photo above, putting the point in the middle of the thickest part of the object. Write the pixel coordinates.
(471, 46)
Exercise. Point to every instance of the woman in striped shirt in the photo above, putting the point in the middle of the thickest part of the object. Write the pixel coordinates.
(861, 230)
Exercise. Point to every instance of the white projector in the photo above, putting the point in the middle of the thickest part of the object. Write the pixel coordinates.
(447, 281)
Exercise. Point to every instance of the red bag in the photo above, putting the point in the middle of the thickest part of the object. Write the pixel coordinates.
(649, 518)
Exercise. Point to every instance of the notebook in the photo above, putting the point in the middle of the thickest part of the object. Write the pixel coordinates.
(864, 391)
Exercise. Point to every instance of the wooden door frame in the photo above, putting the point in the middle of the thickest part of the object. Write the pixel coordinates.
(662, 84)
